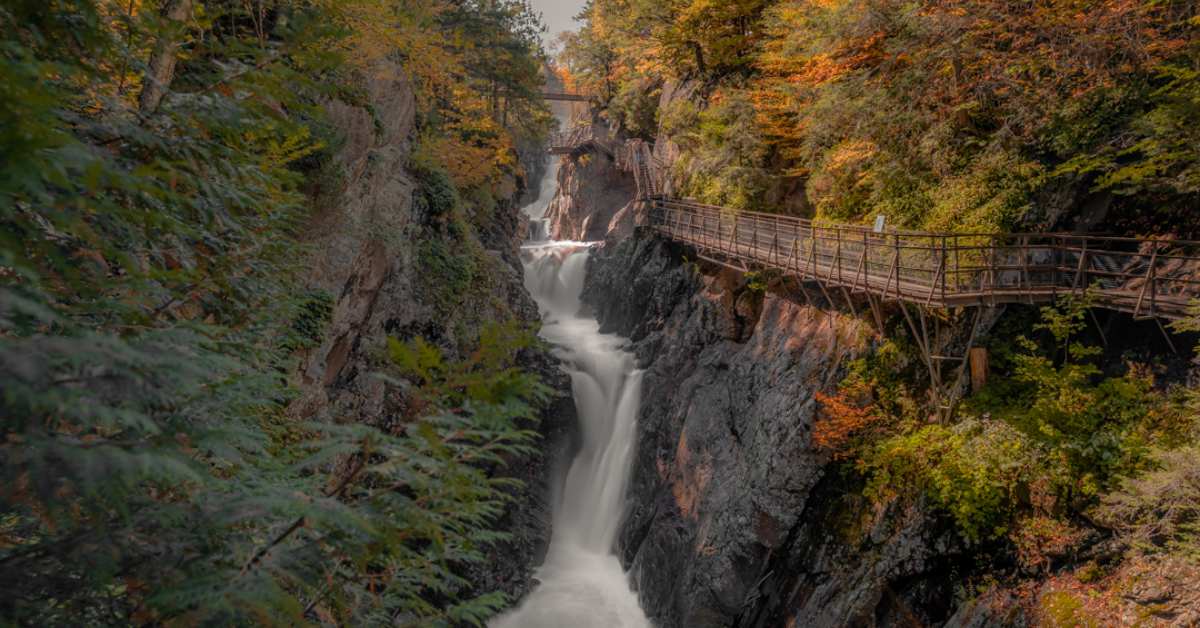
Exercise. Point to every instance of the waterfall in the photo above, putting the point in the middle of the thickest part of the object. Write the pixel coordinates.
(581, 583)
(536, 211)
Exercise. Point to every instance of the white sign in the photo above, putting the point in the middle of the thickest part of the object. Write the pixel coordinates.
(880, 221)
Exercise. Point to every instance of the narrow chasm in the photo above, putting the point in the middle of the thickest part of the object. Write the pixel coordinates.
(581, 580)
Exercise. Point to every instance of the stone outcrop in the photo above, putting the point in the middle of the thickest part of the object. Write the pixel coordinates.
(373, 246)
(594, 197)
(735, 518)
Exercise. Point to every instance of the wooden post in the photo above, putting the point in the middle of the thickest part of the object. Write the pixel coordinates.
(945, 270)
(1150, 279)
(979, 368)
(838, 255)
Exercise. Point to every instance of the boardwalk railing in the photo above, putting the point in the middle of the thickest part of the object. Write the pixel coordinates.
(637, 158)
(566, 97)
(578, 138)
(631, 156)
(1144, 277)
(548, 95)
(1148, 278)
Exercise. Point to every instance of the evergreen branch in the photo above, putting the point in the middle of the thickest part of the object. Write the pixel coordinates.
(300, 521)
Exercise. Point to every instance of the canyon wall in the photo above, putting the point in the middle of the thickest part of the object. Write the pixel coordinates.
(395, 268)
(594, 198)
(735, 517)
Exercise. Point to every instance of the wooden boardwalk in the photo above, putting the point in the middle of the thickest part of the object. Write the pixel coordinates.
(964, 274)
(1147, 278)
(577, 140)
(566, 97)
(1143, 277)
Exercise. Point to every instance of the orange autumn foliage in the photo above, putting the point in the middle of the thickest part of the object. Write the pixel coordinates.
(842, 419)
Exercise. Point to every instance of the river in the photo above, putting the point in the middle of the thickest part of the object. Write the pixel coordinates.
(581, 583)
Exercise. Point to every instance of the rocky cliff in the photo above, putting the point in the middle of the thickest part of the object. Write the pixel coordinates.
(396, 267)
(735, 518)
(595, 198)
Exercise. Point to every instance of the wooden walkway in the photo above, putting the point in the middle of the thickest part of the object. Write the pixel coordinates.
(1148, 278)
(632, 156)
(1143, 277)
(566, 97)
(547, 95)
(578, 140)
(964, 274)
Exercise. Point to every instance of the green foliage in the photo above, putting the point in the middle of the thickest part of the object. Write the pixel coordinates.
(449, 269)
(487, 375)
(635, 108)
(886, 373)
(436, 197)
(1160, 511)
(1092, 426)
(1156, 152)
(1052, 437)
(756, 282)
(975, 471)
(149, 473)
(723, 155)
(315, 310)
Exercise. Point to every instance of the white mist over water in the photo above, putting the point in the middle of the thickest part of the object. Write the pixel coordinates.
(582, 584)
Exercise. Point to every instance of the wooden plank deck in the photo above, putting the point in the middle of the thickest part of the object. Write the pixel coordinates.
(1146, 278)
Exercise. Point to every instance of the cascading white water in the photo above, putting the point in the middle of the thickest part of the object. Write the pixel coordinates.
(582, 584)
(536, 211)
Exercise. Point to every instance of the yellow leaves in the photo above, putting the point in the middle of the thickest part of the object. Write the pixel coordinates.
(280, 145)
(850, 154)
(473, 148)
(820, 69)
(844, 178)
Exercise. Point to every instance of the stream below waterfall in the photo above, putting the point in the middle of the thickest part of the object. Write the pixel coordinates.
(581, 583)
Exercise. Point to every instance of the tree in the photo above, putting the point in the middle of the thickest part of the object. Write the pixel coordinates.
(149, 307)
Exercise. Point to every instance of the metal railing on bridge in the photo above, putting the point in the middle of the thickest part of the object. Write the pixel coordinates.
(1155, 279)
(1148, 278)
(575, 139)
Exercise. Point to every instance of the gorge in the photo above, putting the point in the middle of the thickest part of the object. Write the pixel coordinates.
(581, 582)
(753, 314)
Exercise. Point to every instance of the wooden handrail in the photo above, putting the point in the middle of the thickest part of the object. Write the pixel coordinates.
(1152, 278)
(944, 269)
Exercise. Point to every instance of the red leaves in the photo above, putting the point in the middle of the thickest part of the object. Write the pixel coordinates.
(839, 423)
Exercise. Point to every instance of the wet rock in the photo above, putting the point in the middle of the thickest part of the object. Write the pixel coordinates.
(592, 192)
(735, 518)
(366, 244)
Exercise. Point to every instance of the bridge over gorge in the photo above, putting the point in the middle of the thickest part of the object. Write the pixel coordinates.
(550, 95)
(957, 274)
(632, 156)
(566, 97)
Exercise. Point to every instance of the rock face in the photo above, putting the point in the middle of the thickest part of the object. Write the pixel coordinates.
(375, 250)
(594, 197)
(735, 519)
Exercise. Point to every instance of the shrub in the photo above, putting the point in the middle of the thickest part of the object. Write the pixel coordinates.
(436, 196)
(1040, 539)
(635, 108)
(1160, 510)
(1091, 425)
(723, 153)
(975, 471)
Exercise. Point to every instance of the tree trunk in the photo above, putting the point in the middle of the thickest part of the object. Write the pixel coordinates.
(161, 69)
(698, 52)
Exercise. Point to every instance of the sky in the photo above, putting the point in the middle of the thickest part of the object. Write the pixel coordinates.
(559, 15)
